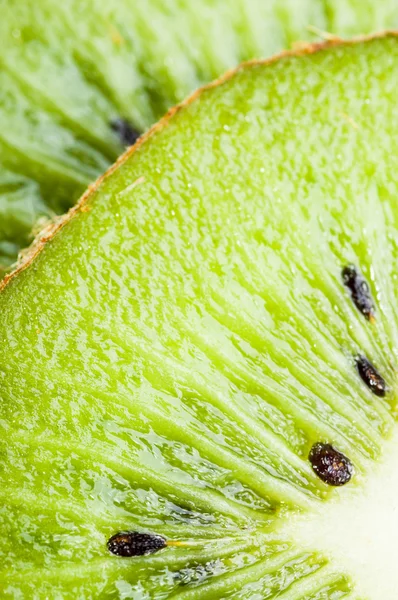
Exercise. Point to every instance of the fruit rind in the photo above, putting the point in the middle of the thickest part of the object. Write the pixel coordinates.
(132, 320)
(51, 230)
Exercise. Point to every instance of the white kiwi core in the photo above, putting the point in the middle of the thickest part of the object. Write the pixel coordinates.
(359, 529)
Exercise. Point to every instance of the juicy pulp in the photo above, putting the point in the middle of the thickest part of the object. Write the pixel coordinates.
(69, 69)
(171, 355)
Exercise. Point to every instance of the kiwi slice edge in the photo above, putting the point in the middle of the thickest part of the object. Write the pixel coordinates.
(119, 66)
(212, 572)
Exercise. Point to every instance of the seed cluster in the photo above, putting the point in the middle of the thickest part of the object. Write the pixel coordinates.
(331, 466)
(360, 291)
(135, 543)
(370, 375)
(127, 134)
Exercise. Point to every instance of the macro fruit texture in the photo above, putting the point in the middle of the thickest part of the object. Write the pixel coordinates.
(187, 384)
(80, 80)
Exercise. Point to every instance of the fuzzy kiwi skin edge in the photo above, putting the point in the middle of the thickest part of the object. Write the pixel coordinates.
(82, 204)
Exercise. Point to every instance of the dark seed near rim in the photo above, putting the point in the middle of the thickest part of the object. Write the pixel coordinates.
(360, 291)
(370, 375)
(127, 134)
(331, 466)
(135, 543)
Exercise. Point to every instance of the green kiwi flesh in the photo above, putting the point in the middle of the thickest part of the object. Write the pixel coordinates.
(175, 353)
(71, 71)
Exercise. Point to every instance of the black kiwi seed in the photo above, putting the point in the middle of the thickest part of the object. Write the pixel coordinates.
(360, 291)
(331, 466)
(370, 375)
(127, 134)
(135, 543)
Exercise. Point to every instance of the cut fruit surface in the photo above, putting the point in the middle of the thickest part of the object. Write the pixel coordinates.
(183, 358)
(71, 70)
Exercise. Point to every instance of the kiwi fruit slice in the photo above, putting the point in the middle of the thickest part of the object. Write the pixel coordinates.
(198, 365)
(80, 80)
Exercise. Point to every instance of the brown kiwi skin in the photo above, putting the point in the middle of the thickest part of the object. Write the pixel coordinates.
(82, 204)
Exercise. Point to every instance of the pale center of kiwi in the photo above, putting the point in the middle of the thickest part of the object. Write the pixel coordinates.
(359, 528)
